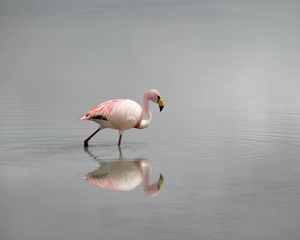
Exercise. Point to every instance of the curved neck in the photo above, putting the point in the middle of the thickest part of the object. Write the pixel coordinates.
(146, 173)
(146, 114)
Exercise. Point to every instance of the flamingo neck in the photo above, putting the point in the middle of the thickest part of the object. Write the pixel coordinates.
(149, 188)
(146, 114)
(146, 173)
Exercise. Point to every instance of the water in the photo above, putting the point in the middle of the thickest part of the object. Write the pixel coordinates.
(227, 142)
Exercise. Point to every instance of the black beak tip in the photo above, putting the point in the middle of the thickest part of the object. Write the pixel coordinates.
(161, 108)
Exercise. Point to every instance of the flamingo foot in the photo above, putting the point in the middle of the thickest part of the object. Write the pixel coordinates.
(86, 141)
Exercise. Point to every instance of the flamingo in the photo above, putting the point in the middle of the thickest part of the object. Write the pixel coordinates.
(123, 114)
(124, 175)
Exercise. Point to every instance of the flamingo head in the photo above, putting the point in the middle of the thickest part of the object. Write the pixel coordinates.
(155, 97)
(154, 188)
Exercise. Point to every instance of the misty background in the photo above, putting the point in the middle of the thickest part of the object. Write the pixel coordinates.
(227, 142)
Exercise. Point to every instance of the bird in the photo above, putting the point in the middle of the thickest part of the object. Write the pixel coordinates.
(123, 114)
(124, 175)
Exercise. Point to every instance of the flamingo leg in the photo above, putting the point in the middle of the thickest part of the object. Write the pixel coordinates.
(120, 139)
(86, 141)
(120, 153)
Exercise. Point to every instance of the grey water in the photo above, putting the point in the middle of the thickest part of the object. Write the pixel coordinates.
(227, 142)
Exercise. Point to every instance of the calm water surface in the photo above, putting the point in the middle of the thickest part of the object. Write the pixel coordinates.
(227, 143)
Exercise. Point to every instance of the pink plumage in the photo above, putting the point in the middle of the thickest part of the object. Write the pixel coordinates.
(120, 114)
(125, 175)
(116, 175)
(123, 114)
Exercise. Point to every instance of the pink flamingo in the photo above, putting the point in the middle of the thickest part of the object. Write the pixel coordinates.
(124, 175)
(123, 114)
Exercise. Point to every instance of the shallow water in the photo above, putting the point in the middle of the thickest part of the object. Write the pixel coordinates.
(227, 142)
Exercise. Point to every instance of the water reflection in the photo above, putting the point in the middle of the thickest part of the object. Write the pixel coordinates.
(123, 174)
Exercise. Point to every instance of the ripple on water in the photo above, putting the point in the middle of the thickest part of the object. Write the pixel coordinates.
(242, 139)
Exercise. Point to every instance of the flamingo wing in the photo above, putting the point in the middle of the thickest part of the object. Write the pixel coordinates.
(102, 111)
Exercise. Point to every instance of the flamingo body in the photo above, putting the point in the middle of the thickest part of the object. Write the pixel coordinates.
(120, 114)
(116, 175)
(125, 176)
(123, 114)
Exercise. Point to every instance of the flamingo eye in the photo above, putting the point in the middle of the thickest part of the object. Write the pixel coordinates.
(158, 98)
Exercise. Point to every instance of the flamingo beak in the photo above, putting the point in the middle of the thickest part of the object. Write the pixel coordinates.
(160, 103)
(160, 182)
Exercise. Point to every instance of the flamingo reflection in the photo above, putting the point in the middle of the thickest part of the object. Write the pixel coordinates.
(124, 175)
